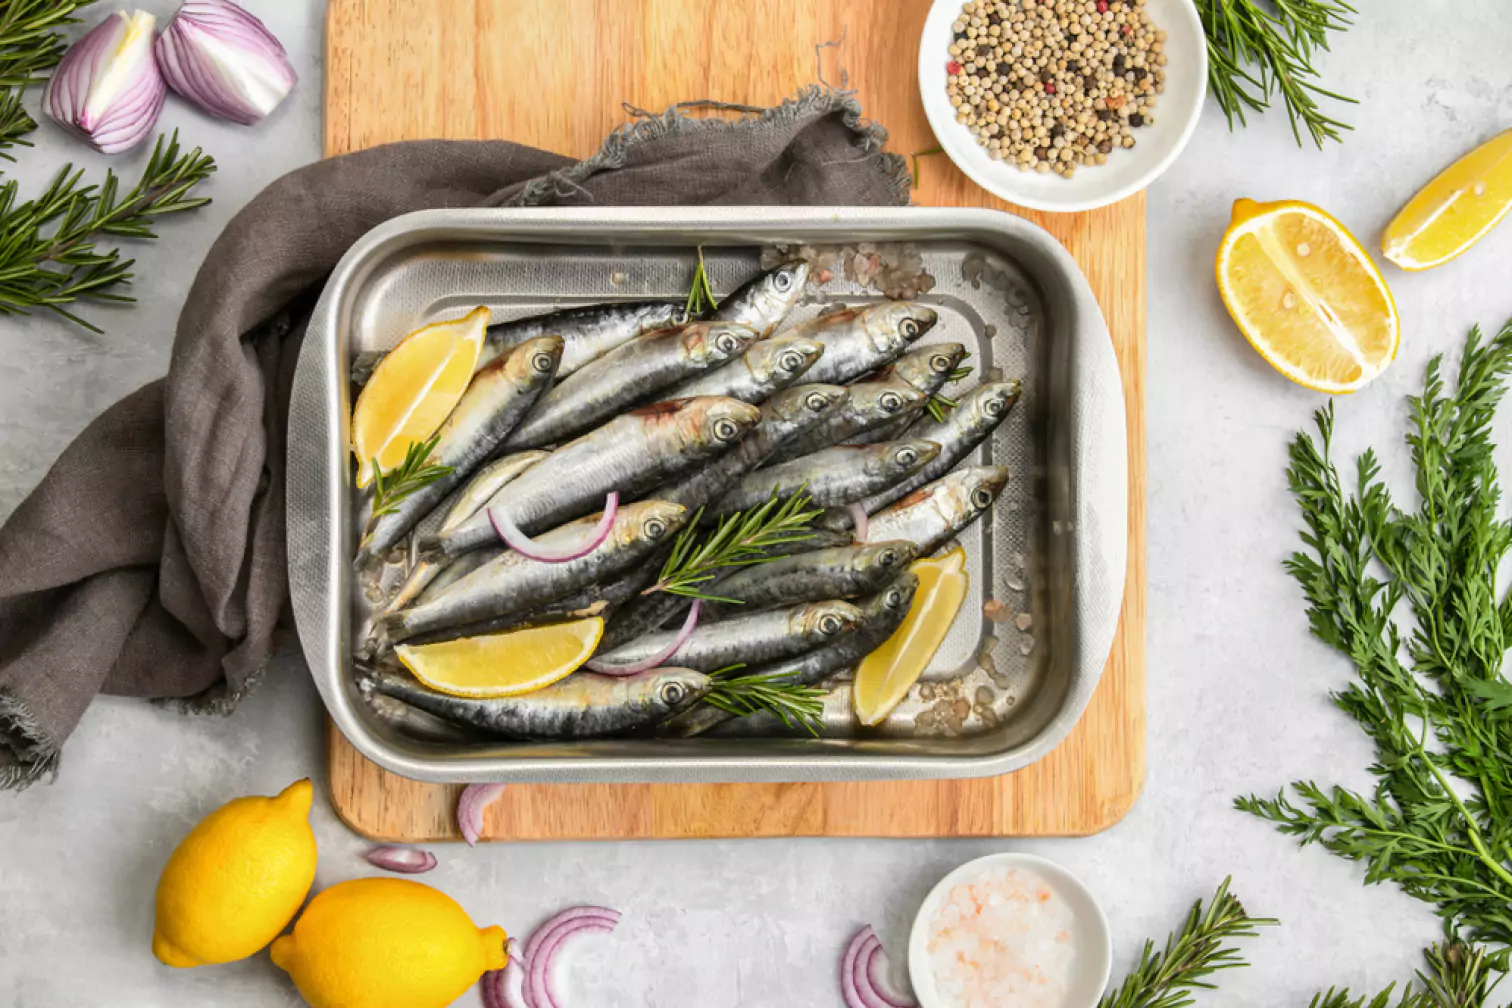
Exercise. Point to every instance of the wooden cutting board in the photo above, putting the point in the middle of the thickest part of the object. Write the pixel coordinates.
(554, 74)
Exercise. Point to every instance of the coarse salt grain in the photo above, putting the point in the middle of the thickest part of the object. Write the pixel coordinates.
(1003, 938)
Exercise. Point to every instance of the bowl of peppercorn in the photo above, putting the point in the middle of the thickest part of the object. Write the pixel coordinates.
(1063, 105)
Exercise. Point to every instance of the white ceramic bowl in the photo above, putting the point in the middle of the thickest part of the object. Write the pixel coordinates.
(1094, 941)
(1127, 170)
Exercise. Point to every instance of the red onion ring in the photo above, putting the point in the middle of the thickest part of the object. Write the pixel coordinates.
(475, 798)
(512, 981)
(532, 550)
(404, 860)
(848, 991)
(863, 970)
(548, 939)
(860, 519)
(491, 987)
(689, 625)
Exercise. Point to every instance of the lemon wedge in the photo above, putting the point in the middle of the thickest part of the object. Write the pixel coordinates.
(504, 664)
(1306, 295)
(414, 389)
(1455, 210)
(885, 676)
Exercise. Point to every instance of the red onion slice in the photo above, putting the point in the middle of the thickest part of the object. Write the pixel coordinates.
(538, 992)
(848, 991)
(532, 550)
(503, 988)
(405, 860)
(689, 625)
(475, 798)
(862, 522)
(223, 59)
(107, 89)
(863, 975)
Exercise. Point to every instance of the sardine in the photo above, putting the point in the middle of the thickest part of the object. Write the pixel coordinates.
(759, 637)
(881, 615)
(647, 613)
(936, 512)
(787, 415)
(858, 340)
(927, 369)
(765, 300)
(977, 415)
(511, 583)
(583, 705)
(629, 374)
(412, 722)
(844, 572)
(587, 332)
(831, 477)
(763, 369)
(871, 404)
(492, 407)
(629, 454)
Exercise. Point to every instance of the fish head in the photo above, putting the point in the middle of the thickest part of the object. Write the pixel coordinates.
(664, 316)
(803, 405)
(967, 492)
(901, 459)
(931, 365)
(987, 404)
(649, 522)
(824, 621)
(535, 361)
(896, 324)
(891, 603)
(885, 400)
(715, 422)
(675, 689)
(714, 343)
(889, 555)
(783, 358)
(766, 300)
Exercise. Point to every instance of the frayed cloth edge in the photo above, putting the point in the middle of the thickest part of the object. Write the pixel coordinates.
(25, 749)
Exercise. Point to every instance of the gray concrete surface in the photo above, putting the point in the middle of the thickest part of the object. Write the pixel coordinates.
(1236, 691)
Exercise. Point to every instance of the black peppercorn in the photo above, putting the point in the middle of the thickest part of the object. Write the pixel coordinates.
(1046, 76)
(1074, 66)
(1140, 73)
(1057, 130)
(1136, 119)
(1104, 114)
(1106, 147)
(1118, 64)
(1042, 153)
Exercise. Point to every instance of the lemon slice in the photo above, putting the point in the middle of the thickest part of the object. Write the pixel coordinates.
(885, 676)
(1306, 295)
(414, 389)
(504, 664)
(1455, 210)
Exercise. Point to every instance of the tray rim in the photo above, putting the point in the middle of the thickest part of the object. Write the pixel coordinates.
(319, 612)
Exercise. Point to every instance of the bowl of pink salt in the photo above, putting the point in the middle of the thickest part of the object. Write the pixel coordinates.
(1010, 931)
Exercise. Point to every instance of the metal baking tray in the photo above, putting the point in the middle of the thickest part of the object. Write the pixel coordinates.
(1002, 691)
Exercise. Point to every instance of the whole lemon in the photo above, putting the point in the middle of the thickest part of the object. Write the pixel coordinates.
(386, 943)
(236, 880)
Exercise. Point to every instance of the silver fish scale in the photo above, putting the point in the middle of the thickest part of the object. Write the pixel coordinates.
(759, 637)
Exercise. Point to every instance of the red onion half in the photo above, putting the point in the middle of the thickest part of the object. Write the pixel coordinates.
(404, 860)
(548, 940)
(861, 521)
(863, 975)
(475, 798)
(557, 552)
(689, 625)
(224, 60)
(107, 89)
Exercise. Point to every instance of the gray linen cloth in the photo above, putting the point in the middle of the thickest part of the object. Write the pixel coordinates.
(150, 560)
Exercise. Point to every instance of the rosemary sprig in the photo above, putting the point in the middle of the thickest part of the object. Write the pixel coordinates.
(739, 540)
(938, 404)
(1201, 948)
(48, 252)
(700, 295)
(31, 43)
(914, 160)
(1459, 976)
(1256, 51)
(793, 704)
(416, 471)
(1438, 822)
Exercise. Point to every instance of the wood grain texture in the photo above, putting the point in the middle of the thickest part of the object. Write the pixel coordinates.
(554, 74)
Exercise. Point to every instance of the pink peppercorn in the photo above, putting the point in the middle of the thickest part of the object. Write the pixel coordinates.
(1102, 6)
(953, 67)
(1049, 89)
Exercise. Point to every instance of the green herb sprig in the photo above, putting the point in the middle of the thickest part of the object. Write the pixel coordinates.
(1256, 51)
(1202, 947)
(49, 256)
(793, 704)
(1458, 976)
(939, 405)
(700, 295)
(390, 489)
(31, 43)
(739, 540)
(913, 158)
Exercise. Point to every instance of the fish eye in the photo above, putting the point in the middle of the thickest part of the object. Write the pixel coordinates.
(816, 401)
(726, 429)
(994, 406)
(727, 343)
(655, 528)
(681, 315)
(672, 693)
(829, 624)
(542, 363)
(891, 402)
(791, 360)
(940, 362)
(981, 497)
(783, 279)
(894, 598)
(906, 456)
(887, 558)
(909, 328)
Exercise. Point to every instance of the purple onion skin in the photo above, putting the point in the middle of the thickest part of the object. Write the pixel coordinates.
(404, 860)
(131, 115)
(191, 72)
